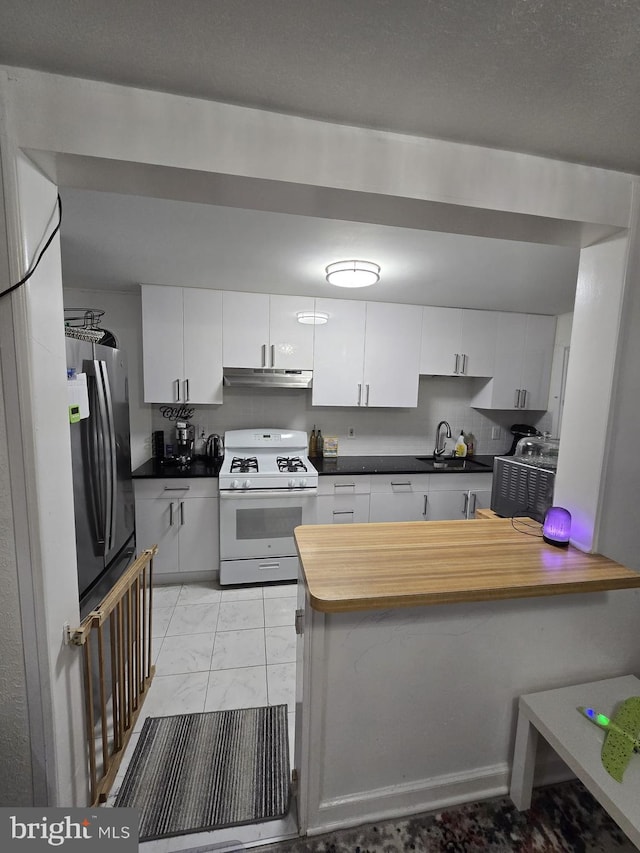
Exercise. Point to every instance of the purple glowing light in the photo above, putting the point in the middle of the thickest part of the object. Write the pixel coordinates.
(557, 526)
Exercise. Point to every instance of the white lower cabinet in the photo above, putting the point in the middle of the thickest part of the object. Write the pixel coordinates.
(456, 496)
(343, 499)
(402, 497)
(181, 518)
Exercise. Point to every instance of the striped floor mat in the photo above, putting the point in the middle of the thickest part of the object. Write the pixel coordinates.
(194, 772)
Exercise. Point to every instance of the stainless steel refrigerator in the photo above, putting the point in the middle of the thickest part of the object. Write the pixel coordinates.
(101, 461)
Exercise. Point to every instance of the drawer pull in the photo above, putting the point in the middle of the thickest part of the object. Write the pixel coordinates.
(404, 483)
(177, 488)
(344, 485)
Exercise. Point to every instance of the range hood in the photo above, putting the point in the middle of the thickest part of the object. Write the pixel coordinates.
(267, 377)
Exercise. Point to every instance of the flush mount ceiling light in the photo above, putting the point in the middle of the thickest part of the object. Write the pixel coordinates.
(312, 318)
(353, 273)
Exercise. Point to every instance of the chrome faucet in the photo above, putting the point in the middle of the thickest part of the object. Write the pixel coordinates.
(438, 450)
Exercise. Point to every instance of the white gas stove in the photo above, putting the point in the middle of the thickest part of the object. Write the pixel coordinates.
(266, 459)
(268, 487)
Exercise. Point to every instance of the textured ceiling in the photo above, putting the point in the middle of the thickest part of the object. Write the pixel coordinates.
(560, 78)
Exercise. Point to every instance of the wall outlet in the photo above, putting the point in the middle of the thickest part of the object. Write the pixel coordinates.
(351, 432)
(495, 433)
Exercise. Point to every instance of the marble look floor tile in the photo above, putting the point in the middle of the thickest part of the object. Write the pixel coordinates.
(245, 687)
(280, 590)
(281, 644)
(281, 684)
(160, 620)
(174, 694)
(238, 615)
(185, 653)
(199, 593)
(233, 649)
(241, 593)
(166, 596)
(279, 611)
(193, 619)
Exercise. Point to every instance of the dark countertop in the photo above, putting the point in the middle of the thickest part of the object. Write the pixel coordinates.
(399, 465)
(152, 469)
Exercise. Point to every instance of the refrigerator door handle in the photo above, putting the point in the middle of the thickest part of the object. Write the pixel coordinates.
(105, 405)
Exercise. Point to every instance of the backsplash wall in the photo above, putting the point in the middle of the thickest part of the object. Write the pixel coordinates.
(377, 431)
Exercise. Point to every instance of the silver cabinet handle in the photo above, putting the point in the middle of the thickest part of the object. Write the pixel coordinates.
(403, 483)
(186, 390)
(455, 369)
(474, 500)
(171, 514)
(465, 504)
(264, 355)
(343, 512)
(464, 363)
(181, 512)
(359, 393)
(367, 400)
(517, 400)
(177, 488)
(426, 500)
(273, 355)
(177, 390)
(523, 404)
(344, 486)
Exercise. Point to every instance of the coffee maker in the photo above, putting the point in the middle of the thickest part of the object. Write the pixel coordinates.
(185, 434)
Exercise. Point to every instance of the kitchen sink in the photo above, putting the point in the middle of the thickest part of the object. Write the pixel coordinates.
(455, 463)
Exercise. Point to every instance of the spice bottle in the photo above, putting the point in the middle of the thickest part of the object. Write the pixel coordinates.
(312, 442)
(319, 443)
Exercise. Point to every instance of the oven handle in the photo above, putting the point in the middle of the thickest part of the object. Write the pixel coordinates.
(248, 494)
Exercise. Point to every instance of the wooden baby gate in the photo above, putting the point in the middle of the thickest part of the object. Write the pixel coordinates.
(117, 654)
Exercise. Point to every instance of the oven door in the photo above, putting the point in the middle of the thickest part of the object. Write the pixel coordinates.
(260, 522)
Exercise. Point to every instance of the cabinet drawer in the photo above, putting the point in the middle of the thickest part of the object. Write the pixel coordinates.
(459, 482)
(183, 487)
(400, 483)
(359, 484)
(346, 509)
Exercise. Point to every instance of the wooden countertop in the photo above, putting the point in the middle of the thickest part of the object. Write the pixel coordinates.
(373, 566)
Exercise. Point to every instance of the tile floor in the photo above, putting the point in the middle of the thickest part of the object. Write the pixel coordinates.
(218, 648)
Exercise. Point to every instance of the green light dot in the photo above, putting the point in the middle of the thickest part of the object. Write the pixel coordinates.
(604, 721)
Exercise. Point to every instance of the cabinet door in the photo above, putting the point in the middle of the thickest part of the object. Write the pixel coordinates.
(162, 340)
(343, 509)
(478, 342)
(202, 345)
(338, 354)
(245, 338)
(537, 360)
(392, 355)
(478, 499)
(199, 535)
(502, 392)
(399, 506)
(158, 523)
(447, 505)
(290, 342)
(440, 351)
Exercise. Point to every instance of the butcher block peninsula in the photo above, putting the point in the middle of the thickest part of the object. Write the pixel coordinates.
(416, 640)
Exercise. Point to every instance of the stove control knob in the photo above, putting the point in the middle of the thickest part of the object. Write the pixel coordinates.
(246, 484)
(302, 483)
(235, 484)
(292, 484)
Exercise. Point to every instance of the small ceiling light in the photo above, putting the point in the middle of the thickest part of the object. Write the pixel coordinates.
(312, 318)
(353, 273)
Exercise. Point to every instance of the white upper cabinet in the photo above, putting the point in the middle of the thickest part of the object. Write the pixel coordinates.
(524, 353)
(367, 354)
(182, 344)
(262, 330)
(458, 342)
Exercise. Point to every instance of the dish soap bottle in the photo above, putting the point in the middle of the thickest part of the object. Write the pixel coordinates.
(461, 447)
(312, 442)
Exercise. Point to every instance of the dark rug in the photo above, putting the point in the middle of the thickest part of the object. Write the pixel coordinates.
(563, 818)
(195, 772)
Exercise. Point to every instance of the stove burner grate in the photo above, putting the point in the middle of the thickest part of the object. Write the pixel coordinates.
(290, 463)
(246, 465)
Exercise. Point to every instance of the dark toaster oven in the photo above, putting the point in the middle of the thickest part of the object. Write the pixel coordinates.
(521, 489)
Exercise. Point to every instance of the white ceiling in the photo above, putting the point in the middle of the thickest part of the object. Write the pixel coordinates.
(116, 241)
(559, 78)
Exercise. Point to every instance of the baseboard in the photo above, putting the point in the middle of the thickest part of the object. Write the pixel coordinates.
(426, 795)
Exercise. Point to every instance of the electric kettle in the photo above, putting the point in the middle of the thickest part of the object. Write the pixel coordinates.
(215, 446)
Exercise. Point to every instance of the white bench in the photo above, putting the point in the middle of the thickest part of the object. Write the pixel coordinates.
(553, 714)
